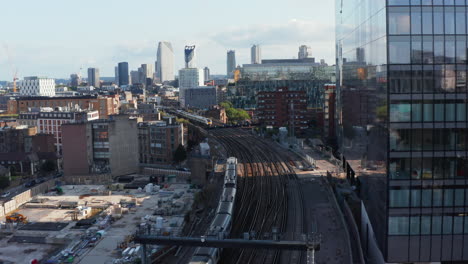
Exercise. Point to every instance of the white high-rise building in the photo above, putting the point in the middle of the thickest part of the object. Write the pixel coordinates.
(37, 86)
(231, 63)
(165, 62)
(304, 52)
(255, 54)
(190, 57)
(189, 78)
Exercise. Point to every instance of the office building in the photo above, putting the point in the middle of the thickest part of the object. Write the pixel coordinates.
(123, 73)
(94, 78)
(304, 52)
(189, 78)
(283, 108)
(165, 62)
(146, 74)
(206, 74)
(116, 78)
(135, 77)
(200, 97)
(231, 63)
(37, 86)
(255, 54)
(105, 105)
(189, 55)
(405, 65)
(158, 141)
(101, 147)
(75, 80)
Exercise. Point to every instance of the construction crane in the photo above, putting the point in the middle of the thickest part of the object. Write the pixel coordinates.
(13, 70)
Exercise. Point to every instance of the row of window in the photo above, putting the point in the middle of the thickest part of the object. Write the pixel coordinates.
(426, 2)
(426, 20)
(101, 155)
(427, 225)
(429, 111)
(428, 140)
(405, 79)
(428, 168)
(428, 198)
(427, 49)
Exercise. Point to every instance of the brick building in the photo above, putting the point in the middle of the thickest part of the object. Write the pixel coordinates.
(158, 140)
(218, 113)
(282, 107)
(105, 105)
(50, 122)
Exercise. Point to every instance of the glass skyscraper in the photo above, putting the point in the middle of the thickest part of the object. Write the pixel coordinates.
(402, 113)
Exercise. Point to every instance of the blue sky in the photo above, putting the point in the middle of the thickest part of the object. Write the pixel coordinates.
(57, 37)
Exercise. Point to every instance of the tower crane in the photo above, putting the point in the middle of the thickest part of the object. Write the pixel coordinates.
(13, 70)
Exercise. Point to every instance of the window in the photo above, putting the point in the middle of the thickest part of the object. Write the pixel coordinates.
(399, 20)
(399, 49)
(398, 225)
(399, 198)
(400, 112)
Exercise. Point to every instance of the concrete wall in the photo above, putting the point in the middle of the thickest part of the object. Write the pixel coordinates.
(369, 242)
(181, 176)
(24, 197)
(88, 179)
(123, 146)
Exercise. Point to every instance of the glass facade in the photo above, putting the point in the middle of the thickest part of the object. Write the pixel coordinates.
(404, 63)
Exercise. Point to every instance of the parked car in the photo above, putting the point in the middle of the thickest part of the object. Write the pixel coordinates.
(5, 194)
(41, 180)
(30, 184)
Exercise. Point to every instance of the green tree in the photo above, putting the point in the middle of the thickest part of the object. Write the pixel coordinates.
(180, 154)
(234, 115)
(48, 166)
(4, 182)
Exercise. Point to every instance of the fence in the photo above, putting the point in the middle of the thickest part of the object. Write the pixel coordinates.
(24, 197)
(88, 179)
(180, 175)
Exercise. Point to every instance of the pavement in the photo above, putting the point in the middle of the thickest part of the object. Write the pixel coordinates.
(20, 188)
(106, 249)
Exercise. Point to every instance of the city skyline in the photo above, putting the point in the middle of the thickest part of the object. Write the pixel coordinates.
(286, 27)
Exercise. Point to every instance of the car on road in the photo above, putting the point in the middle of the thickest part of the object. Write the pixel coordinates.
(5, 194)
(30, 184)
(41, 180)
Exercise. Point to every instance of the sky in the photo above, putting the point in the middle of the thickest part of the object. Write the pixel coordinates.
(56, 38)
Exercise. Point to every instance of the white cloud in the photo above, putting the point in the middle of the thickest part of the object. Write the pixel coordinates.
(294, 31)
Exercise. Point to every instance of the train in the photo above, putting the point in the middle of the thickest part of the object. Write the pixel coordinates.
(222, 223)
(195, 118)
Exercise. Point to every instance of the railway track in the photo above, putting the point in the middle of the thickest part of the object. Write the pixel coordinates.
(268, 196)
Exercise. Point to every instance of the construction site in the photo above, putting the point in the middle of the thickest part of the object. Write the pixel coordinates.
(89, 223)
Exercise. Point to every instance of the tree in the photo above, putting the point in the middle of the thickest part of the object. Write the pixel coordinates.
(180, 154)
(4, 182)
(48, 166)
(234, 115)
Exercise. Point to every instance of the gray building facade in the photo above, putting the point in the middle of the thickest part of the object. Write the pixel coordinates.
(231, 63)
(94, 77)
(201, 97)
